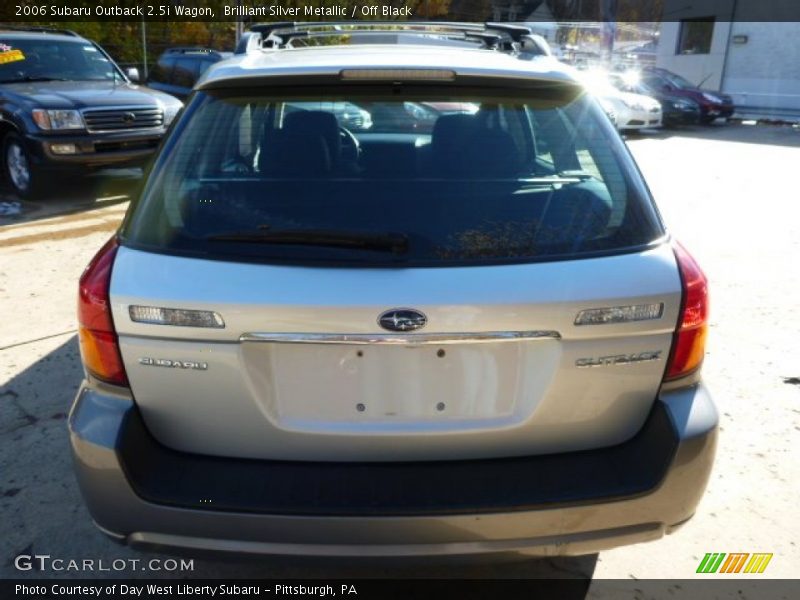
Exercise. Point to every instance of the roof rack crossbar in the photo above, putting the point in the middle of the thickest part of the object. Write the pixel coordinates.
(249, 42)
(267, 28)
(495, 36)
(516, 32)
(179, 49)
(513, 38)
(283, 40)
(491, 33)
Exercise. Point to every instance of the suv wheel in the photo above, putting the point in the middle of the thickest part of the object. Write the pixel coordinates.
(17, 167)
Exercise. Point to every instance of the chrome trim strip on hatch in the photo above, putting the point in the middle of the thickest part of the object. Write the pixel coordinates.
(399, 339)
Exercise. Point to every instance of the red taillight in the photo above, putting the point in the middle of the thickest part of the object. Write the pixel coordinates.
(688, 348)
(98, 339)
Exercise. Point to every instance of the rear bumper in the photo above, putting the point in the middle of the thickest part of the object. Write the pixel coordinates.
(682, 117)
(146, 495)
(638, 119)
(717, 110)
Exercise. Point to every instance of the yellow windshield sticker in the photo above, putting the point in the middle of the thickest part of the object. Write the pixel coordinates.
(11, 56)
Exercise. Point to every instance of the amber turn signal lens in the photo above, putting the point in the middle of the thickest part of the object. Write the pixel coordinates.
(98, 339)
(689, 345)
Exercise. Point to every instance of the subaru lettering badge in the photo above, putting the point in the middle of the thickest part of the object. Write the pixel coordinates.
(402, 319)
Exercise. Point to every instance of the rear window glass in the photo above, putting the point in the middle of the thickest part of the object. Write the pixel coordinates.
(370, 175)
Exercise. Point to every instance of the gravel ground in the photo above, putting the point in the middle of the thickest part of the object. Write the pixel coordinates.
(727, 194)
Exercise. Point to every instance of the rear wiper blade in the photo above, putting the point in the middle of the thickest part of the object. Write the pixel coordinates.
(388, 242)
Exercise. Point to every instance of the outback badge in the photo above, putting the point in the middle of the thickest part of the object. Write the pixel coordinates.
(618, 359)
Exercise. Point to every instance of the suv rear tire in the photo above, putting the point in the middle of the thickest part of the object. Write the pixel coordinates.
(18, 169)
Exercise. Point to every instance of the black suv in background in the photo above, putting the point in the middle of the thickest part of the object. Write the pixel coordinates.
(178, 69)
(65, 106)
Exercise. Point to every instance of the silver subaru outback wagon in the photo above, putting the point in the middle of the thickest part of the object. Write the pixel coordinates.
(457, 326)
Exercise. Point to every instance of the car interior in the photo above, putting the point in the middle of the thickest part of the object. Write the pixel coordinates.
(506, 180)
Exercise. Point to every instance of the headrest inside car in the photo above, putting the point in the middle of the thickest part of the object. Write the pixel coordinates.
(295, 155)
(317, 122)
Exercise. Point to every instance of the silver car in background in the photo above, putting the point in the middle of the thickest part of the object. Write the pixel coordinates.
(632, 111)
(467, 335)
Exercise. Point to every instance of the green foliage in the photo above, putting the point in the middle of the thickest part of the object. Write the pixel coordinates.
(123, 39)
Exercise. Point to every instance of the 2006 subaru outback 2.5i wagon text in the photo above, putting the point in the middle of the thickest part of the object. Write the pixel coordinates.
(469, 335)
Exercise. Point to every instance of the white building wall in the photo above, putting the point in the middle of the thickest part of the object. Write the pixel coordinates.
(764, 73)
(697, 68)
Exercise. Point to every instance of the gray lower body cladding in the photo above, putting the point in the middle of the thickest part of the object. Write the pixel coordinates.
(146, 494)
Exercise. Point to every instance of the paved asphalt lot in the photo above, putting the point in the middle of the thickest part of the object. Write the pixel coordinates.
(728, 192)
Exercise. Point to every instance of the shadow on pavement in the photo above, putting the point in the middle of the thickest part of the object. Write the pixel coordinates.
(496, 566)
(71, 195)
(43, 512)
(771, 135)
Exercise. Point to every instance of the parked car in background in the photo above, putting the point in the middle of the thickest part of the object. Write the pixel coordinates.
(608, 108)
(471, 338)
(418, 116)
(713, 105)
(453, 108)
(347, 114)
(178, 69)
(631, 111)
(66, 107)
(399, 117)
(675, 110)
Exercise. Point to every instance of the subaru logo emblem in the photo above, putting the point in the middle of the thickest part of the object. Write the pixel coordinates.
(129, 117)
(402, 319)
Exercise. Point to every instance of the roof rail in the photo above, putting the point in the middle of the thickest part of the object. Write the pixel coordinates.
(495, 36)
(38, 29)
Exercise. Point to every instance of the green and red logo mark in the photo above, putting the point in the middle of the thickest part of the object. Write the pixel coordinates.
(736, 562)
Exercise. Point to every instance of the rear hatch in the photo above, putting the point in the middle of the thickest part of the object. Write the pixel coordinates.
(516, 233)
